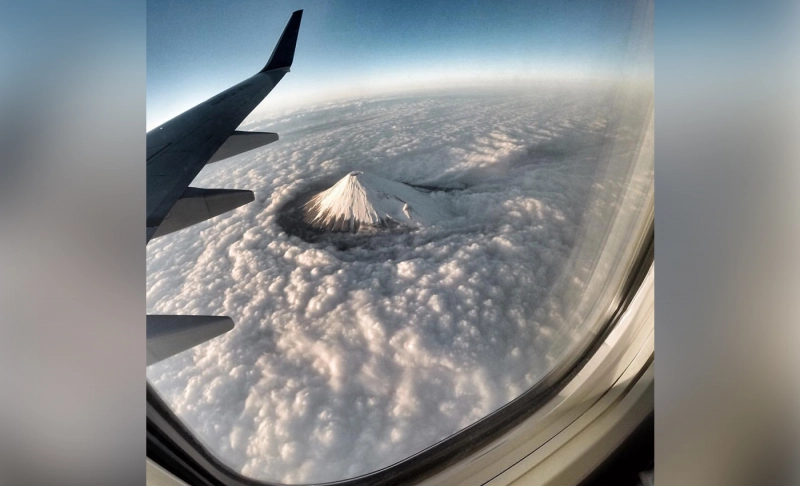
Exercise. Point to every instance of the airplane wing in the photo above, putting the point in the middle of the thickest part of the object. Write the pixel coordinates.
(178, 149)
(169, 335)
(176, 152)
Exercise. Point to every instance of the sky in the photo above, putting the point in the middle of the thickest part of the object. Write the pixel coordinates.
(352, 352)
(349, 48)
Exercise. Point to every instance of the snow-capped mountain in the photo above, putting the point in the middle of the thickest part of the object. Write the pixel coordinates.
(366, 200)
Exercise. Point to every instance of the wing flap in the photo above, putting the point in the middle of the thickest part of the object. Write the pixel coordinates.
(169, 335)
(240, 142)
(197, 205)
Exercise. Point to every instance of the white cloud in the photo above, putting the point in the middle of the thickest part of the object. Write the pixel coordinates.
(343, 362)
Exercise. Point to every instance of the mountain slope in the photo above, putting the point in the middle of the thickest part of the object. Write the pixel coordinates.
(365, 200)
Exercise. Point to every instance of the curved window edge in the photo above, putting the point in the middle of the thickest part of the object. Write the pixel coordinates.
(564, 441)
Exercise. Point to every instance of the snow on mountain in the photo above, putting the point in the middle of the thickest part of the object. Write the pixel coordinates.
(361, 199)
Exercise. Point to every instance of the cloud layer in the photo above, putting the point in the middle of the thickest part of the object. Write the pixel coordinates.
(344, 362)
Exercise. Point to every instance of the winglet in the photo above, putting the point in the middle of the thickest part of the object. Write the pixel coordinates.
(283, 55)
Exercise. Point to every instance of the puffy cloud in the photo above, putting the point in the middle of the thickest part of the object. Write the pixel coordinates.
(346, 361)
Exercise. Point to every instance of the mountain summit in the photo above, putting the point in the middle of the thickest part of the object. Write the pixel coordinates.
(366, 200)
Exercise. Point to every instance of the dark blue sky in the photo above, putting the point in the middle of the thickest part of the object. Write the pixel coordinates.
(198, 48)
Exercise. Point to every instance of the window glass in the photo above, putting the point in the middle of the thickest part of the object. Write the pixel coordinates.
(530, 169)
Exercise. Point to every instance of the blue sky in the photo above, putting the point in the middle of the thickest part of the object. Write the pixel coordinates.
(198, 48)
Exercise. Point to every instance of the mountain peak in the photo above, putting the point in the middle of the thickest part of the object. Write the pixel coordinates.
(366, 200)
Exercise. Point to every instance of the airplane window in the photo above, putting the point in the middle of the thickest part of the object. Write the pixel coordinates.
(423, 247)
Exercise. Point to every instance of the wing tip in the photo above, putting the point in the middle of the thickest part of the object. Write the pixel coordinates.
(283, 54)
